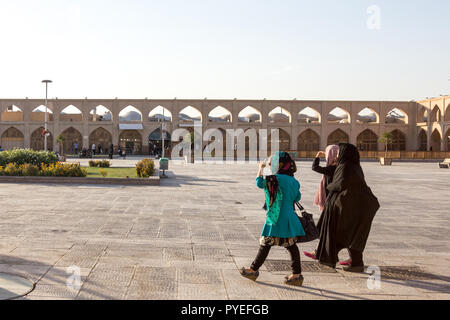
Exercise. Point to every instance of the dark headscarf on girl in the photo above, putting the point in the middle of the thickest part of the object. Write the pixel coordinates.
(282, 163)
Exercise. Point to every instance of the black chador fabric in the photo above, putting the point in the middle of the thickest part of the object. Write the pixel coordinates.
(349, 209)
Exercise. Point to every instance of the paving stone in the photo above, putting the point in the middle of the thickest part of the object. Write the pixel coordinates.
(152, 242)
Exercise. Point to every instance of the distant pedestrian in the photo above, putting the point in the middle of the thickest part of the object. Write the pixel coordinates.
(124, 154)
(111, 151)
(93, 149)
(75, 147)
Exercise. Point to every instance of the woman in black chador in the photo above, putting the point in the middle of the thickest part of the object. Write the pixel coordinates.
(349, 210)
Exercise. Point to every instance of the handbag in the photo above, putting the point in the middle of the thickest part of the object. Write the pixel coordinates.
(307, 221)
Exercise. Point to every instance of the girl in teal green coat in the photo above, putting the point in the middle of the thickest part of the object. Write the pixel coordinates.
(282, 227)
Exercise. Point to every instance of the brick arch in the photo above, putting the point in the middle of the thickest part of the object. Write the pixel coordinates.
(447, 114)
(278, 117)
(349, 116)
(37, 139)
(435, 142)
(99, 118)
(189, 106)
(12, 138)
(76, 117)
(422, 140)
(446, 138)
(308, 140)
(230, 115)
(132, 109)
(11, 115)
(304, 120)
(71, 136)
(367, 140)
(399, 141)
(100, 137)
(435, 114)
(158, 119)
(338, 136)
(256, 109)
(377, 119)
(387, 119)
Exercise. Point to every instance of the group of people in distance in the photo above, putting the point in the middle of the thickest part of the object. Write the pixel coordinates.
(347, 206)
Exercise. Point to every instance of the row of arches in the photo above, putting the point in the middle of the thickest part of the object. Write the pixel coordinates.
(435, 115)
(132, 140)
(248, 114)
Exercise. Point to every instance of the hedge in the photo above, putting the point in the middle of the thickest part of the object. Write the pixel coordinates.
(23, 156)
(52, 170)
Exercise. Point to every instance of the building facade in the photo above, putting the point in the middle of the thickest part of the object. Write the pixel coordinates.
(423, 125)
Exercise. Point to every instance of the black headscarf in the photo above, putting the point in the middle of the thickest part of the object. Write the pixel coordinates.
(348, 153)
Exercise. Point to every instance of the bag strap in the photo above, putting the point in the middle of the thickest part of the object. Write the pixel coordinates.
(300, 207)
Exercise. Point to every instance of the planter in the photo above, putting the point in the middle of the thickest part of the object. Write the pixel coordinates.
(386, 161)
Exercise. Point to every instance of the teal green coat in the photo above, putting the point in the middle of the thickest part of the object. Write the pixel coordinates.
(288, 224)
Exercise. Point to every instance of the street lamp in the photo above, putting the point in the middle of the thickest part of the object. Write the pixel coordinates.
(162, 135)
(45, 117)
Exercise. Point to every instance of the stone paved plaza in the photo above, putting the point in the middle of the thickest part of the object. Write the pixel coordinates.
(187, 238)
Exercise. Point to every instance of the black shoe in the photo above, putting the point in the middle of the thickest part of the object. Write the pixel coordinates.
(297, 282)
(249, 275)
(355, 269)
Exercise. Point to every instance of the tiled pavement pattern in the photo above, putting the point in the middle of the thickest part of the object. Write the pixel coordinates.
(187, 238)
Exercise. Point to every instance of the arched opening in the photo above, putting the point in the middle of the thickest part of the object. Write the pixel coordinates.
(71, 114)
(308, 140)
(189, 114)
(250, 138)
(367, 141)
(284, 141)
(100, 113)
(37, 139)
(130, 114)
(447, 114)
(12, 139)
(219, 114)
(160, 114)
(309, 115)
(338, 115)
(280, 115)
(435, 141)
(399, 141)
(397, 116)
(102, 140)
(38, 114)
(447, 137)
(367, 115)
(249, 115)
(209, 151)
(337, 136)
(436, 114)
(12, 114)
(422, 140)
(131, 142)
(422, 115)
(155, 142)
(73, 141)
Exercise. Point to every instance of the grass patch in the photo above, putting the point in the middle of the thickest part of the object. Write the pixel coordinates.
(111, 172)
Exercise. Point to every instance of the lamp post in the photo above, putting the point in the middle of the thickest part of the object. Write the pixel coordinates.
(45, 117)
(162, 135)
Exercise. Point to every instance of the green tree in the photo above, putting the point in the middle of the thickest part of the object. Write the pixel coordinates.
(386, 138)
(60, 139)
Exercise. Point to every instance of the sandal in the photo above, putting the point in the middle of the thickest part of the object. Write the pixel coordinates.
(346, 263)
(311, 255)
(297, 282)
(249, 275)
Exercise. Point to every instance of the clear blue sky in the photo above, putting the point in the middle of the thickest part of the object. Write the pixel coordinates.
(225, 49)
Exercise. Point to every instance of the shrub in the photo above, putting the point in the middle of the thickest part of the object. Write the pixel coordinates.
(104, 173)
(28, 169)
(63, 170)
(145, 168)
(93, 163)
(104, 163)
(12, 169)
(22, 156)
